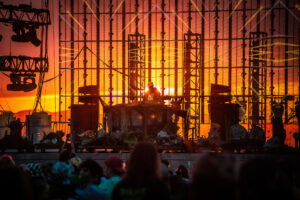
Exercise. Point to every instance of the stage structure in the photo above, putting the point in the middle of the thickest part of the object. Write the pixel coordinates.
(182, 46)
(26, 22)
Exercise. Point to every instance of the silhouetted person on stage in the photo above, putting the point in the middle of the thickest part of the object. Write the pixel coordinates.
(278, 129)
(16, 128)
(152, 94)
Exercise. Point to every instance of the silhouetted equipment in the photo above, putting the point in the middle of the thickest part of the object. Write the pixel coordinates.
(0, 38)
(5, 118)
(38, 125)
(297, 135)
(25, 21)
(20, 82)
(145, 119)
(278, 129)
(15, 140)
(85, 116)
(23, 70)
(16, 128)
(297, 110)
(223, 112)
(88, 94)
(22, 36)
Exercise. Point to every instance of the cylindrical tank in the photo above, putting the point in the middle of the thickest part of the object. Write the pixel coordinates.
(5, 118)
(38, 124)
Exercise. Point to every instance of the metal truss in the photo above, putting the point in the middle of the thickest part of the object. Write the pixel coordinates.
(257, 79)
(23, 64)
(25, 14)
(136, 66)
(192, 80)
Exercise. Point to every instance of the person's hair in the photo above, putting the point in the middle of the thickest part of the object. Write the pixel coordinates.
(116, 172)
(15, 184)
(93, 166)
(212, 179)
(6, 161)
(165, 162)
(260, 178)
(143, 163)
(182, 171)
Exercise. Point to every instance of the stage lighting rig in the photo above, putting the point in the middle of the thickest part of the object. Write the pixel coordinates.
(20, 82)
(28, 36)
(23, 71)
(25, 21)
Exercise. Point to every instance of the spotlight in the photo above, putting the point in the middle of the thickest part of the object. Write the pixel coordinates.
(33, 37)
(22, 36)
(20, 82)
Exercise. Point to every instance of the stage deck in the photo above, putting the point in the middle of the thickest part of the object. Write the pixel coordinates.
(175, 159)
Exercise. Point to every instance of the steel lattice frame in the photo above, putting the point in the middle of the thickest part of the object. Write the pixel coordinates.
(224, 26)
(136, 66)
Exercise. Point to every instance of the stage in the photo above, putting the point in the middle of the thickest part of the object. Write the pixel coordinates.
(175, 159)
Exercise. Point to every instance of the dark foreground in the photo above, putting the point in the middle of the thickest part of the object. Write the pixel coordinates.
(145, 174)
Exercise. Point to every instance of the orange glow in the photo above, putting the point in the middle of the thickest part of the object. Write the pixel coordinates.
(156, 86)
(152, 116)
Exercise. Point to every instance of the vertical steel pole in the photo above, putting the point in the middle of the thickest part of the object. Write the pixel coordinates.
(202, 60)
(59, 64)
(149, 39)
(123, 51)
(244, 52)
(110, 52)
(286, 48)
(72, 52)
(84, 44)
(176, 50)
(163, 47)
(272, 51)
(136, 17)
(216, 39)
(230, 45)
(298, 79)
(98, 47)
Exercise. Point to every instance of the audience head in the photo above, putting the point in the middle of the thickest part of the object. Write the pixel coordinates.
(90, 171)
(143, 163)
(113, 167)
(263, 178)
(182, 172)
(212, 179)
(6, 161)
(15, 183)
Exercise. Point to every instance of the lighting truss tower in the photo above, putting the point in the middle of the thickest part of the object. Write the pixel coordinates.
(192, 82)
(136, 66)
(23, 68)
(257, 79)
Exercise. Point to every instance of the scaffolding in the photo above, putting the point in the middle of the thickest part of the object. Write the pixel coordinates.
(136, 66)
(192, 80)
(121, 45)
(257, 79)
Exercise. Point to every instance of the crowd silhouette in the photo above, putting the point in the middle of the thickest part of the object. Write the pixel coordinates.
(145, 176)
